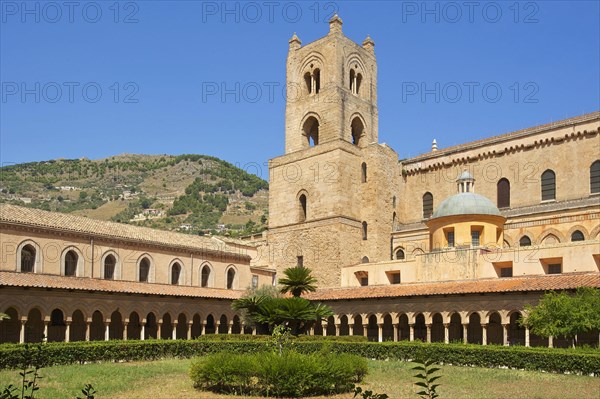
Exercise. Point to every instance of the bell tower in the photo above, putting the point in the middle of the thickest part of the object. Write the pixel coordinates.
(327, 189)
(331, 91)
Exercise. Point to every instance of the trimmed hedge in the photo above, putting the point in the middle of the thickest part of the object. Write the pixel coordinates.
(518, 357)
(268, 374)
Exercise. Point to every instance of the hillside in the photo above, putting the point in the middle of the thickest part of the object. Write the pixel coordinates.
(197, 194)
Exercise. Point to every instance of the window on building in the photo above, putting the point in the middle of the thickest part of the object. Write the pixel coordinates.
(310, 131)
(230, 278)
(427, 205)
(28, 254)
(204, 276)
(450, 238)
(394, 277)
(555, 268)
(364, 281)
(364, 230)
(317, 79)
(300, 261)
(365, 259)
(475, 234)
(595, 178)
(109, 267)
(506, 272)
(363, 172)
(175, 273)
(525, 241)
(400, 255)
(358, 130)
(302, 208)
(144, 270)
(71, 259)
(308, 82)
(577, 236)
(548, 185)
(503, 193)
(254, 281)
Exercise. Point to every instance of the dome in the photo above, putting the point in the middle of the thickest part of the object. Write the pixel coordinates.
(466, 204)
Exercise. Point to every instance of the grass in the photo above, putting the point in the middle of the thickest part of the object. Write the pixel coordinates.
(169, 379)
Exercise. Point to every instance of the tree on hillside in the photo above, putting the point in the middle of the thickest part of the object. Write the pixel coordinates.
(564, 315)
(297, 281)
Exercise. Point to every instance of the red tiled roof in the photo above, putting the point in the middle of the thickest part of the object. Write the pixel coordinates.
(33, 280)
(480, 286)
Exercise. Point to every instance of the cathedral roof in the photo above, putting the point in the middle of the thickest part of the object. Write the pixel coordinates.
(466, 204)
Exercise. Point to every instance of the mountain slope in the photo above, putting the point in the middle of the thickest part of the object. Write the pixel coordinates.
(191, 193)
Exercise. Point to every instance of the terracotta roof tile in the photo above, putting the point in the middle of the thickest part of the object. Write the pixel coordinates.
(100, 228)
(479, 286)
(33, 280)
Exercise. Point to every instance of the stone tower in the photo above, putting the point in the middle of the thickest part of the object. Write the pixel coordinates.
(329, 190)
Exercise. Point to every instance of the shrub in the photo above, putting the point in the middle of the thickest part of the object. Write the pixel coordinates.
(290, 375)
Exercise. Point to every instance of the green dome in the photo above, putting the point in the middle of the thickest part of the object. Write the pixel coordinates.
(466, 204)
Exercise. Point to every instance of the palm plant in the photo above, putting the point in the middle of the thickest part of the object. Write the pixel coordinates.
(297, 281)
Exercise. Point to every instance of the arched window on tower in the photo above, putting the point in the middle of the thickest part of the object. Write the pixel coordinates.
(595, 178)
(358, 82)
(352, 80)
(358, 131)
(363, 172)
(317, 80)
(427, 205)
(364, 230)
(28, 255)
(400, 255)
(548, 185)
(302, 208)
(308, 82)
(310, 130)
(503, 193)
(355, 80)
(71, 259)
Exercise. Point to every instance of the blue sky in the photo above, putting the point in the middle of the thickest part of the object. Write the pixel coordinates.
(104, 78)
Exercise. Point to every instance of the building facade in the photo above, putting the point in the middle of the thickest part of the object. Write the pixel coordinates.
(447, 246)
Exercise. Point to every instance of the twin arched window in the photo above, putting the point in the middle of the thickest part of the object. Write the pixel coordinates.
(313, 81)
(355, 80)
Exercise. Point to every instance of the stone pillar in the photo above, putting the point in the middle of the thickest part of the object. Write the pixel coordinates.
(324, 329)
(125, 324)
(505, 334)
(395, 332)
(143, 331)
(107, 330)
(242, 327)
(88, 325)
(22, 331)
(189, 330)
(203, 328)
(68, 331)
(446, 333)
(159, 330)
(551, 342)
(46, 324)
(465, 333)
(428, 332)
(230, 328)
(351, 329)
(253, 330)
(526, 336)
(484, 333)
(217, 325)
(174, 331)
(366, 330)
(337, 330)
(379, 332)
(412, 332)
(311, 331)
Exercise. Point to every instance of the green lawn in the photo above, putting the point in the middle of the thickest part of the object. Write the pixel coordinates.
(169, 379)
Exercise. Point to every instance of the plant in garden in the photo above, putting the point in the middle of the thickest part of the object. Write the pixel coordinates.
(281, 338)
(297, 281)
(426, 378)
(88, 391)
(564, 315)
(358, 392)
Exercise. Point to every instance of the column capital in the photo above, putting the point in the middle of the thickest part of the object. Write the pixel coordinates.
(446, 325)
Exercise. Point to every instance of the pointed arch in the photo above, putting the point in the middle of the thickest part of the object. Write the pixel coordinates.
(145, 268)
(72, 262)
(111, 266)
(206, 275)
(29, 257)
(231, 278)
(310, 129)
(176, 272)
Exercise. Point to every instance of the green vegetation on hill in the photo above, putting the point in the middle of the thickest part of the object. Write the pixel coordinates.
(191, 193)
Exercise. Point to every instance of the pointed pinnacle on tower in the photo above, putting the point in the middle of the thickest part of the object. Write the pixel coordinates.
(335, 25)
(295, 42)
